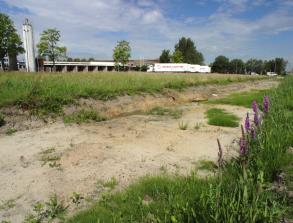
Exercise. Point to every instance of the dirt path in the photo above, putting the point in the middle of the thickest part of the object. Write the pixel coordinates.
(125, 148)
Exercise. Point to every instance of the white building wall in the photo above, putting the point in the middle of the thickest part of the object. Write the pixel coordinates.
(29, 46)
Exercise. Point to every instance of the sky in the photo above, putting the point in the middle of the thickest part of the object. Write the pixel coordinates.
(91, 28)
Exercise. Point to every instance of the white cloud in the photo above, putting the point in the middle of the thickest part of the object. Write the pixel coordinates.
(92, 28)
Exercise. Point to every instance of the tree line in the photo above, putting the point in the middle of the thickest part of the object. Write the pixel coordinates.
(222, 64)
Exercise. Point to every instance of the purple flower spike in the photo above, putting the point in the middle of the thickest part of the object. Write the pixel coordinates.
(247, 123)
(266, 104)
(243, 146)
(254, 106)
(243, 143)
(253, 134)
(256, 119)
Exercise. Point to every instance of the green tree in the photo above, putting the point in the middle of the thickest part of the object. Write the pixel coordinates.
(221, 65)
(237, 66)
(280, 66)
(10, 43)
(165, 56)
(255, 65)
(189, 52)
(122, 53)
(177, 57)
(48, 46)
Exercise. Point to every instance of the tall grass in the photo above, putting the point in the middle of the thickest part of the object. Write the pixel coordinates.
(49, 91)
(241, 99)
(241, 191)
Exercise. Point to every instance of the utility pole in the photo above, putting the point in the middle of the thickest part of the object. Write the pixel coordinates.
(140, 63)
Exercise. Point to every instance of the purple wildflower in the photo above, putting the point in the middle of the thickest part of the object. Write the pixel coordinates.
(243, 146)
(266, 104)
(247, 123)
(243, 143)
(253, 134)
(254, 106)
(256, 119)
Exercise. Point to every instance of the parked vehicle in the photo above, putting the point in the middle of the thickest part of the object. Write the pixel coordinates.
(178, 67)
(271, 74)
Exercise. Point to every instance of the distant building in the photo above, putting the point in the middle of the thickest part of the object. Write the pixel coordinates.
(90, 66)
(6, 64)
(20, 65)
(63, 66)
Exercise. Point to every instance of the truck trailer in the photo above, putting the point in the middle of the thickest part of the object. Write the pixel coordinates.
(178, 67)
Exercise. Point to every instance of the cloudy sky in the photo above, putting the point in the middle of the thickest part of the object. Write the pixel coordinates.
(235, 28)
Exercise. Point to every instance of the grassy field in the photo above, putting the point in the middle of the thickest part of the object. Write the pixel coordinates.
(242, 190)
(49, 91)
(220, 117)
(241, 99)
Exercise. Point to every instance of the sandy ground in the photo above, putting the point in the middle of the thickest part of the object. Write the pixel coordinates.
(125, 148)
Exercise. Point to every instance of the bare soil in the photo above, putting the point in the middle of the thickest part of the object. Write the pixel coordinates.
(125, 147)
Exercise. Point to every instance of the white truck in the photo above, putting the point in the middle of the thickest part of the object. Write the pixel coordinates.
(271, 74)
(178, 67)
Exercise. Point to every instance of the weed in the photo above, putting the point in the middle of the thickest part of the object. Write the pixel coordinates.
(49, 159)
(2, 120)
(54, 164)
(198, 125)
(10, 131)
(111, 184)
(206, 165)
(48, 151)
(47, 212)
(220, 117)
(84, 116)
(76, 198)
(49, 156)
(163, 169)
(183, 125)
(174, 113)
(6, 205)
